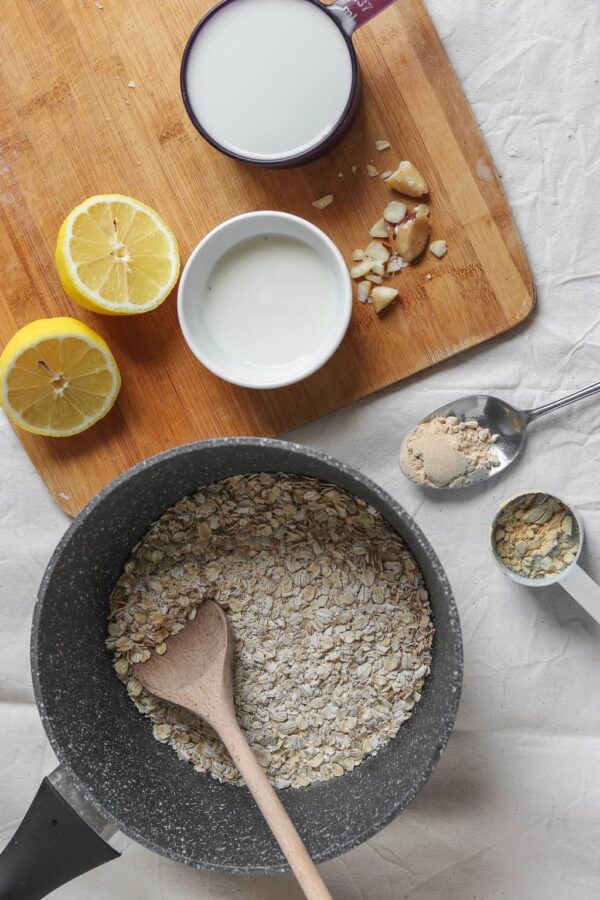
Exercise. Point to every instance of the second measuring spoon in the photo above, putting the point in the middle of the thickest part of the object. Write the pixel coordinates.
(572, 577)
(499, 417)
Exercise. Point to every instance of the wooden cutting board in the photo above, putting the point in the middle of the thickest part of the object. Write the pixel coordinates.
(90, 103)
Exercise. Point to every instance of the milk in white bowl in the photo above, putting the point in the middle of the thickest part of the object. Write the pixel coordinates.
(265, 299)
(268, 79)
(268, 300)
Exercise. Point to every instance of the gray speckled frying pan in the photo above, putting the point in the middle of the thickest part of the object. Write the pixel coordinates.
(115, 779)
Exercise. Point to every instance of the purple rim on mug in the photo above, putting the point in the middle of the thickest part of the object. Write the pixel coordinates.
(347, 17)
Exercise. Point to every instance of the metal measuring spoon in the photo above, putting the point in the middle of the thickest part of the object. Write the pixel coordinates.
(572, 578)
(508, 422)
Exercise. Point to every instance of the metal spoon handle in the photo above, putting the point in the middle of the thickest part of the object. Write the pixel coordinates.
(583, 589)
(532, 414)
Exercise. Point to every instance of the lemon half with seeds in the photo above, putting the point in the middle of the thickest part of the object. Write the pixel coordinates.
(57, 377)
(116, 256)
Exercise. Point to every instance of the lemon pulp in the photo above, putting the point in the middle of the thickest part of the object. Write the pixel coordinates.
(115, 255)
(57, 377)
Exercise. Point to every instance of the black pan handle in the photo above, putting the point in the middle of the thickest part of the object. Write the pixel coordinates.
(52, 845)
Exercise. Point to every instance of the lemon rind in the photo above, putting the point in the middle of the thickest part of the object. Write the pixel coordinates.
(93, 298)
(86, 423)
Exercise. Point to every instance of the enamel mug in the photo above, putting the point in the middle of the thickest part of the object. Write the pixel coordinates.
(275, 83)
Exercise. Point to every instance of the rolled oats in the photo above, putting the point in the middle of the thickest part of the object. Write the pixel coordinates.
(328, 609)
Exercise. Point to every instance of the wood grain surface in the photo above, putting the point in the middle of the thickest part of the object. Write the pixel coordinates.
(71, 127)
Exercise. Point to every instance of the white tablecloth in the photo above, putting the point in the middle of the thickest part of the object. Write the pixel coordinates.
(513, 809)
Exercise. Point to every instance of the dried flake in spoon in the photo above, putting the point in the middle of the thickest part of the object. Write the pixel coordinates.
(447, 452)
(536, 536)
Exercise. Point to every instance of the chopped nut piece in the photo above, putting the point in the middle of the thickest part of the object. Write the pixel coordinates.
(394, 212)
(376, 279)
(382, 297)
(379, 229)
(377, 251)
(382, 145)
(323, 202)
(361, 268)
(422, 210)
(358, 254)
(378, 268)
(354, 170)
(407, 180)
(412, 237)
(372, 171)
(364, 289)
(131, 84)
(429, 276)
(439, 248)
(386, 174)
(395, 265)
(340, 174)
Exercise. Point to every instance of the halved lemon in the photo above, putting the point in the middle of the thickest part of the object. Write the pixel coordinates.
(116, 256)
(57, 377)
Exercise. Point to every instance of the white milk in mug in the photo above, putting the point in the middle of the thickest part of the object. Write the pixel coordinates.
(268, 80)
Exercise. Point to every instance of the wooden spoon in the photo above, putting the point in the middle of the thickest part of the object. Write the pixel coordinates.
(197, 673)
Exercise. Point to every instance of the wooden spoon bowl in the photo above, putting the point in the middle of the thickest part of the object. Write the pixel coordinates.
(197, 673)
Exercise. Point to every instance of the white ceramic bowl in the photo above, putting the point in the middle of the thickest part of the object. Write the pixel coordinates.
(192, 288)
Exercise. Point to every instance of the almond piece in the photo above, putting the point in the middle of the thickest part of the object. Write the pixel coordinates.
(422, 211)
(381, 297)
(382, 145)
(361, 269)
(376, 279)
(372, 171)
(379, 229)
(412, 237)
(407, 180)
(386, 174)
(377, 251)
(394, 212)
(439, 248)
(364, 289)
(323, 202)
(378, 268)
(358, 254)
(395, 265)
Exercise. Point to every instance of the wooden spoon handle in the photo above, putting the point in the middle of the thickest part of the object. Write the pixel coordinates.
(274, 812)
